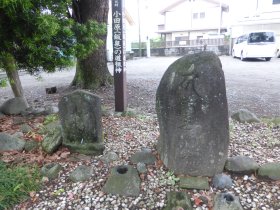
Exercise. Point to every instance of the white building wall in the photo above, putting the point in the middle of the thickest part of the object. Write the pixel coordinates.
(242, 29)
(265, 17)
(180, 18)
(168, 37)
(211, 20)
(175, 21)
(267, 5)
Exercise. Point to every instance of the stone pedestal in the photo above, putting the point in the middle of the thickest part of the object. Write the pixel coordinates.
(123, 180)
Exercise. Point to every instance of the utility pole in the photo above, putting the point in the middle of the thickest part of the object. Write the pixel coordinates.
(148, 47)
(139, 28)
(220, 21)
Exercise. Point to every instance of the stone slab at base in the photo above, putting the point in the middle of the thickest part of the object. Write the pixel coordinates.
(124, 181)
(86, 149)
(199, 183)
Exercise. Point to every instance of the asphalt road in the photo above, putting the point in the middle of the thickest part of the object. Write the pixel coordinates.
(253, 84)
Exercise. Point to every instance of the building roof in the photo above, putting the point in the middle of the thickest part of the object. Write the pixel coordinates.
(175, 4)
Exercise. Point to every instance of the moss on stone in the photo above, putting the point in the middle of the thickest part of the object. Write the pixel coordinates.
(51, 170)
(199, 183)
(86, 149)
(178, 200)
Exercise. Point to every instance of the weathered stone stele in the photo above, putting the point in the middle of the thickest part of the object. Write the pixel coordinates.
(80, 115)
(192, 111)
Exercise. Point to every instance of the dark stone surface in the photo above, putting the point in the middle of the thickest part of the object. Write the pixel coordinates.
(51, 109)
(243, 115)
(141, 168)
(146, 157)
(110, 157)
(270, 170)
(123, 180)
(27, 112)
(51, 170)
(192, 111)
(226, 201)
(199, 183)
(51, 90)
(14, 106)
(80, 115)
(178, 200)
(25, 128)
(52, 140)
(241, 164)
(81, 174)
(31, 146)
(50, 127)
(18, 135)
(221, 181)
(9, 143)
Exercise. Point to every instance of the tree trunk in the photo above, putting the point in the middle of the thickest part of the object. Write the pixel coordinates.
(12, 74)
(92, 72)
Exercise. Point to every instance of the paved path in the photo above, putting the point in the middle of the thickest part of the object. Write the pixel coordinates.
(253, 84)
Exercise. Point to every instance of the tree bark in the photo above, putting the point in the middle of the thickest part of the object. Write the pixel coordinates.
(13, 76)
(92, 72)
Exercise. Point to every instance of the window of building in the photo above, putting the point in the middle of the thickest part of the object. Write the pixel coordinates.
(195, 15)
(276, 1)
(181, 38)
(202, 15)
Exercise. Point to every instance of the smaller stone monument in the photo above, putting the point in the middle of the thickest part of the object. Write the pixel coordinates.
(80, 115)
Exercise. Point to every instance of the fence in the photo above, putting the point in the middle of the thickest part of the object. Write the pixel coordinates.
(161, 48)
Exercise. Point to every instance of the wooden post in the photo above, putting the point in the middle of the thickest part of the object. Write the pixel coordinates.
(119, 53)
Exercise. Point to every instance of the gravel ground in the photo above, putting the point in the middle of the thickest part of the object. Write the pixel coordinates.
(126, 135)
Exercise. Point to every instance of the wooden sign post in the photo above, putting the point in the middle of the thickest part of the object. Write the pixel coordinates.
(119, 60)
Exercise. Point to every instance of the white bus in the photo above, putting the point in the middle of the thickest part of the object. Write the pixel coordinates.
(255, 45)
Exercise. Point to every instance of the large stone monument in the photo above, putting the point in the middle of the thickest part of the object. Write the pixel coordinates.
(80, 115)
(192, 111)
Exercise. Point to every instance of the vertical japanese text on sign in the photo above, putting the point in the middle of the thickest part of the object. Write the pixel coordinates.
(118, 37)
(119, 54)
